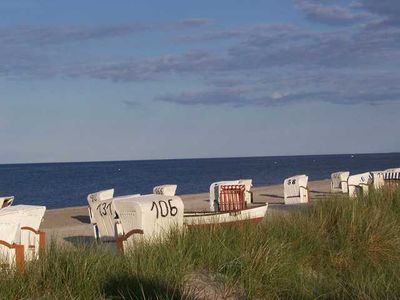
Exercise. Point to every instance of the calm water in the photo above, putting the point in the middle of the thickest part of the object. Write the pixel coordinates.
(67, 184)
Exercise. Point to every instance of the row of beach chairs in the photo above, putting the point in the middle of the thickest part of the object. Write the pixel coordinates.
(126, 219)
(353, 185)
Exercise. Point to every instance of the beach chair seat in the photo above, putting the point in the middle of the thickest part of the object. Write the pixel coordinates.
(6, 201)
(102, 214)
(214, 192)
(295, 189)
(359, 184)
(248, 194)
(11, 251)
(166, 189)
(147, 217)
(339, 182)
(29, 218)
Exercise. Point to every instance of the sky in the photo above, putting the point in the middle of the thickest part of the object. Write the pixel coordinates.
(120, 80)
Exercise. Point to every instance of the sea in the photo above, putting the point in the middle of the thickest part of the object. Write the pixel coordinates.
(58, 185)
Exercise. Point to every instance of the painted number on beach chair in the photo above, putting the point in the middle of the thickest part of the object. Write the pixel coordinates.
(163, 209)
(103, 207)
(291, 181)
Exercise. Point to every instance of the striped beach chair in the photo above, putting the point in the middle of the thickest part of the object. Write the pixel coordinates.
(295, 189)
(231, 198)
(392, 174)
(214, 192)
(392, 177)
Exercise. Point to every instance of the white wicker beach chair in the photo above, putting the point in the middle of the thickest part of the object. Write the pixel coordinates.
(248, 195)
(96, 201)
(339, 182)
(166, 189)
(29, 218)
(102, 214)
(214, 192)
(378, 179)
(295, 189)
(148, 217)
(359, 184)
(11, 251)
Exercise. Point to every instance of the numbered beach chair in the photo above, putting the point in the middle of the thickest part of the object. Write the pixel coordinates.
(11, 251)
(378, 179)
(359, 184)
(102, 227)
(102, 214)
(147, 217)
(214, 192)
(339, 182)
(248, 194)
(166, 189)
(29, 218)
(6, 201)
(295, 189)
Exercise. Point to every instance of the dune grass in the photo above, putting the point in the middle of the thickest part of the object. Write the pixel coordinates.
(341, 248)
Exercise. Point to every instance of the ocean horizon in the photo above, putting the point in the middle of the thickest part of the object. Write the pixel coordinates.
(66, 184)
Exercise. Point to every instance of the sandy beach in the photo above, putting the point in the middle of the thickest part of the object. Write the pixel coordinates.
(72, 225)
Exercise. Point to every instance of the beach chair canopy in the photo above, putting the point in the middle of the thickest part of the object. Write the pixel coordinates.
(101, 195)
(392, 174)
(29, 218)
(214, 192)
(359, 183)
(26, 215)
(6, 201)
(295, 189)
(154, 215)
(166, 189)
(10, 235)
(339, 181)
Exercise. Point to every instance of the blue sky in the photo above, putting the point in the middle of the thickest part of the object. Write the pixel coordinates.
(118, 80)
